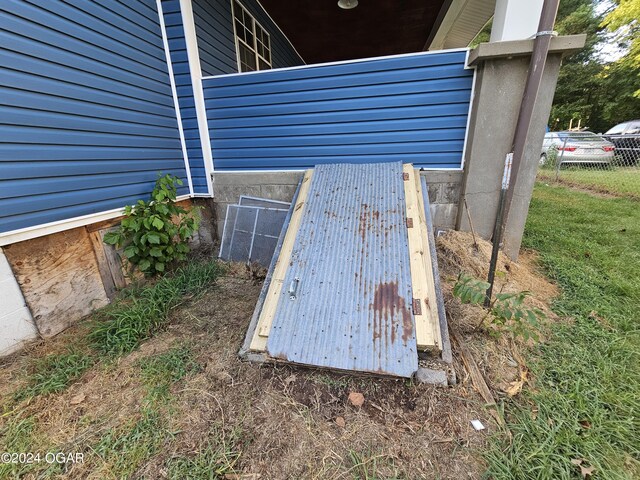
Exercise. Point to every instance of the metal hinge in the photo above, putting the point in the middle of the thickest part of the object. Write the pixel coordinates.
(417, 307)
(409, 222)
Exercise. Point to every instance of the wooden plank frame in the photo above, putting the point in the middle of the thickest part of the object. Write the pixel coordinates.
(265, 320)
(428, 335)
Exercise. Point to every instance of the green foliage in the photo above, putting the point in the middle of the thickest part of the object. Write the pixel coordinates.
(126, 448)
(624, 22)
(551, 158)
(599, 93)
(134, 319)
(483, 35)
(53, 373)
(470, 290)
(215, 461)
(159, 372)
(507, 310)
(19, 434)
(154, 233)
(585, 402)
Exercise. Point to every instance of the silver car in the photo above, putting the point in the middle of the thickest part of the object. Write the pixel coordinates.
(576, 147)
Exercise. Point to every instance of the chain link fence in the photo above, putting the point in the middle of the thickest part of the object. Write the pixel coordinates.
(604, 164)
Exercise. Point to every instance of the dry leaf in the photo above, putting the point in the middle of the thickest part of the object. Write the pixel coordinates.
(340, 422)
(356, 399)
(75, 400)
(586, 471)
(516, 386)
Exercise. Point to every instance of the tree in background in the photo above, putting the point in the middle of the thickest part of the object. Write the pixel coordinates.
(592, 88)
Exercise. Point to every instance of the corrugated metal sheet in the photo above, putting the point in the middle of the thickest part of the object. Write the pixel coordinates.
(350, 276)
(412, 107)
(216, 42)
(184, 89)
(86, 111)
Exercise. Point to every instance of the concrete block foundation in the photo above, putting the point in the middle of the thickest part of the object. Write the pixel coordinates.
(444, 191)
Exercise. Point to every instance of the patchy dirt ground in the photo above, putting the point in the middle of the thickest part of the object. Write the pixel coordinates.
(286, 422)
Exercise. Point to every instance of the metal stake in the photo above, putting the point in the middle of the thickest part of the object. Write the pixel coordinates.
(497, 227)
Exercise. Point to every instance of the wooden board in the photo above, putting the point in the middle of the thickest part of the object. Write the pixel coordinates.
(424, 294)
(109, 263)
(259, 341)
(59, 277)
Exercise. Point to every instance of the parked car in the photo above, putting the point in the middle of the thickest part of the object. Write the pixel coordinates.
(626, 137)
(576, 147)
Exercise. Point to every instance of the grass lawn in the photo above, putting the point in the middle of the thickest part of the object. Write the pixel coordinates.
(622, 181)
(584, 405)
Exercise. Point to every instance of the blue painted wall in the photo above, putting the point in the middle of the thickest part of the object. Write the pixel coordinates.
(412, 108)
(214, 29)
(86, 111)
(184, 89)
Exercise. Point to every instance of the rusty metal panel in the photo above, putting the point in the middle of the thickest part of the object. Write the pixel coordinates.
(346, 301)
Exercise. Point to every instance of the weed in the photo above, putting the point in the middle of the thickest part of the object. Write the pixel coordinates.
(584, 407)
(123, 450)
(159, 372)
(19, 436)
(507, 310)
(215, 461)
(134, 319)
(54, 373)
(333, 381)
(154, 233)
(366, 467)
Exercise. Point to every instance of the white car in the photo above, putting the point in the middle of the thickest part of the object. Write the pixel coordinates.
(576, 147)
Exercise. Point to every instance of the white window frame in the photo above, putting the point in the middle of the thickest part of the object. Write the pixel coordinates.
(253, 47)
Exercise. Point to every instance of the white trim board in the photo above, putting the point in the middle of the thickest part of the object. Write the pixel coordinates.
(195, 71)
(174, 92)
(470, 111)
(14, 236)
(342, 62)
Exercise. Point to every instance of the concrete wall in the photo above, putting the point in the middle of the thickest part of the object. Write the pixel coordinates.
(444, 191)
(501, 76)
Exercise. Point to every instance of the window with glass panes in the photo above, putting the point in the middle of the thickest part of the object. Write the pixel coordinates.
(252, 41)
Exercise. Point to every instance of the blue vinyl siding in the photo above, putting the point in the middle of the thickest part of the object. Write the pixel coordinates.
(184, 89)
(216, 43)
(412, 108)
(86, 111)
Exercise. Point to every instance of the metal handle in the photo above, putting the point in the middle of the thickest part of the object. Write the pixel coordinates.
(293, 288)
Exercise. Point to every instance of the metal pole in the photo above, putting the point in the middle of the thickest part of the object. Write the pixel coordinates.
(559, 160)
(497, 227)
(531, 89)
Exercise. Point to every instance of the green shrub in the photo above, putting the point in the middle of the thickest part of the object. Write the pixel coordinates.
(506, 310)
(551, 158)
(155, 233)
